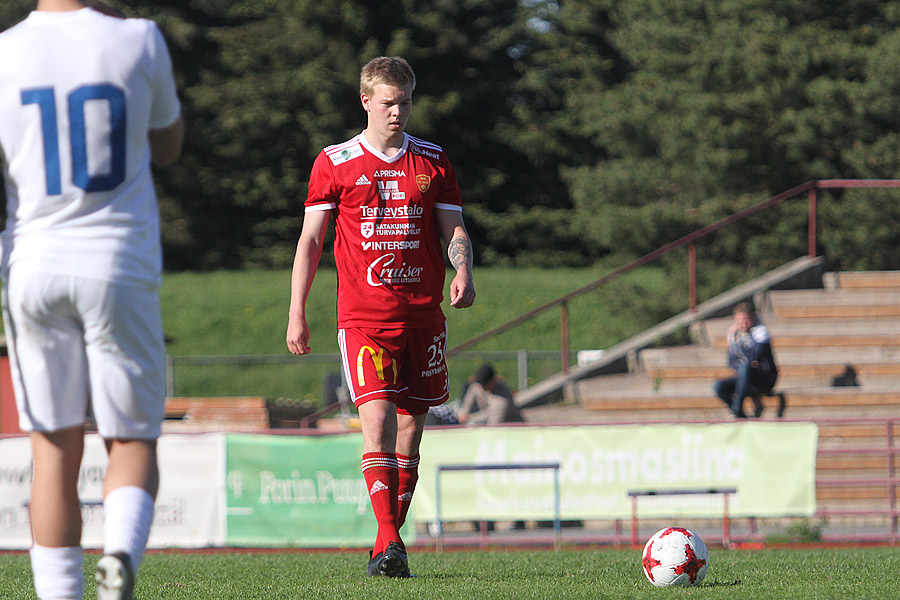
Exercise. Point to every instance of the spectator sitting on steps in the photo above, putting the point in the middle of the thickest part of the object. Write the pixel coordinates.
(750, 355)
(492, 397)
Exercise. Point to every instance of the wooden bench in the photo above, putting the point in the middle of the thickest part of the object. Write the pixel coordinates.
(216, 414)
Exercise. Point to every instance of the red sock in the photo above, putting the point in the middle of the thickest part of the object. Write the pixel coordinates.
(382, 479)
(409, 475)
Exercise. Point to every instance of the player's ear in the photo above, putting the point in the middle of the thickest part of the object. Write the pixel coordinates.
(365, 101)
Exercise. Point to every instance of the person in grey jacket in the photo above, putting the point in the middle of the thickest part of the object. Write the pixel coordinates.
(750, 355)
(491, 398)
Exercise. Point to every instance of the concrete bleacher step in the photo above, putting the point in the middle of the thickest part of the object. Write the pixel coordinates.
(791, 375)
(863, 280)
(685, 356)
(855, 451)
(823, 397)
(819, 365)
(839, 303)
(804, 333)
(700, 382)
(870, 434)
(696, 400)
(852, 466)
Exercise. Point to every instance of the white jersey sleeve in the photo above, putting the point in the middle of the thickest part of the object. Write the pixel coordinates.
(166, 107)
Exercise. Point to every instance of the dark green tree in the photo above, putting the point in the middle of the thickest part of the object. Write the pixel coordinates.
(576, 128)
(723, 104)
(279, 81)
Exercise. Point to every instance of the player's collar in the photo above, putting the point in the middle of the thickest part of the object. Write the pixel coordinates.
(50, 14)
(378, 153)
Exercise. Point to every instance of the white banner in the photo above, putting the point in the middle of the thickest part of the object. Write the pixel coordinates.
(189, 505)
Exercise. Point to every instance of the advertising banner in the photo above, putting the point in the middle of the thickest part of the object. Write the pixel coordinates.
(266, 490)
(771, 465)
(188, 509)
(298, 491)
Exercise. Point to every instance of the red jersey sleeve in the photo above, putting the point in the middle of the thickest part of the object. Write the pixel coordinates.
(322, 193)
(449, 196)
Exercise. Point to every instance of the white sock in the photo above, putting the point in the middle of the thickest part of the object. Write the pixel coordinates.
(128, 514)
(57, 572)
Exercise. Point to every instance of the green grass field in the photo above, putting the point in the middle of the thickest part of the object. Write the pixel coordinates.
(770, 574)
(233, 313)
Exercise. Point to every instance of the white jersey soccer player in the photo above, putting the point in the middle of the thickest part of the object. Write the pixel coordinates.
(87, 101)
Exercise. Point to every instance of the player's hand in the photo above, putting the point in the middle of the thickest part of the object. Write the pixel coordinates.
(298, 336)
(462, 290)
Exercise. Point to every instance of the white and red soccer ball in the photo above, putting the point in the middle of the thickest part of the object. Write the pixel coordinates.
(675, 556)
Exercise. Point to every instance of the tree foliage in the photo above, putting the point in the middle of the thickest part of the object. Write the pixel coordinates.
(577, 129)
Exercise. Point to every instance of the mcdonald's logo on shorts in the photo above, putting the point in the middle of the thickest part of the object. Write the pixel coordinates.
(378, 359)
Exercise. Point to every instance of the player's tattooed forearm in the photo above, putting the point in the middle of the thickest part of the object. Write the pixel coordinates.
(460, 252)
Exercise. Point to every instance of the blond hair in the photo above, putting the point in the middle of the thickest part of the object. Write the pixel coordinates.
(389, 70)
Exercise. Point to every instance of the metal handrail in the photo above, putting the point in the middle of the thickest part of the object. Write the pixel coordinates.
(555, 466)
(688, 240)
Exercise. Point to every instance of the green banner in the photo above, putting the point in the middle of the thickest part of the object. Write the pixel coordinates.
(771, 465)
(298, 491)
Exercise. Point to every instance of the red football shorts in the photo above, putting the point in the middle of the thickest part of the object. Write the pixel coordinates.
(405, 366)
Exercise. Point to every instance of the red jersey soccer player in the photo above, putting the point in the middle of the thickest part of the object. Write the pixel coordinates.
(393, 197)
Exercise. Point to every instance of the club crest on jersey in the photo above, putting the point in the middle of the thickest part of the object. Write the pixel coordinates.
(423, 182)
(367, 229)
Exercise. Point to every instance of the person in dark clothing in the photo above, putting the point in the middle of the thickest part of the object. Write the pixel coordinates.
(750, 355)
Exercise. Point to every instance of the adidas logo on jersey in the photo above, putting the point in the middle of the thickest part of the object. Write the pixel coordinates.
(363, 180)
(378, 486)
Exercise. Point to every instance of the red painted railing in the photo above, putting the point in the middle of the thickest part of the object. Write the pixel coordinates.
(890, 481)
(811, 187)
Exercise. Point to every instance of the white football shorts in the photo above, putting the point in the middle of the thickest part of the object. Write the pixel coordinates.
(74, 341)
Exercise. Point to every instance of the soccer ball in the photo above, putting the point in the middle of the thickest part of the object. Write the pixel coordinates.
(675, 556)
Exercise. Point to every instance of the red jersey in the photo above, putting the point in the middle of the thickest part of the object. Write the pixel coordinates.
(390, 262)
